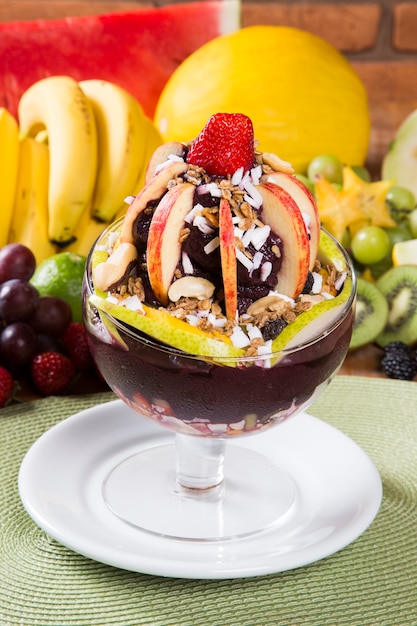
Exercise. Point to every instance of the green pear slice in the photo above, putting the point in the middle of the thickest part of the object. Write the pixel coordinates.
(172, 331)
(163, 249)
(153, 190)
(310, 324)
(400, 162)
(325, 314)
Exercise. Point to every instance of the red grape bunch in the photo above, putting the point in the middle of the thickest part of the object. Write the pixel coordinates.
(37, 335)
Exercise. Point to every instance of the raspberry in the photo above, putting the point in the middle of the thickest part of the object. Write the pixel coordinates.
(398, 361)
(7, 385)
(75, 341)
(52, 373)
(225, 144)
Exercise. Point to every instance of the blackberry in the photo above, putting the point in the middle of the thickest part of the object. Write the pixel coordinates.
(272, 328)
(396, 347)
(308, 284)
(398, 361)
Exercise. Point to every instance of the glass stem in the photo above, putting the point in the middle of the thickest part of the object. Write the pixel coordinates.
(199, 461)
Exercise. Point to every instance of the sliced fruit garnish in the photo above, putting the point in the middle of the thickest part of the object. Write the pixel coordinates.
(400, 161)
(153, 190)
(370, 198)
(357, 204)
(160, 325)
(405, 252)
(283, 215)
(164, 246)
(399, 286)
(228, 258)
(371, 314)
(337, 208)
(306, 203)
(330, 253)
(314, 322)
(225, 144)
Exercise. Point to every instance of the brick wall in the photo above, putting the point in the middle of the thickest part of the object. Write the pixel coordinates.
(379, 37)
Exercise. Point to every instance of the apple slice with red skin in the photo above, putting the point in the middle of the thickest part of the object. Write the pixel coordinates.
(228, 258)
(153, 190)
(283, 215)
(161, 155)
(163, 249)
(306, 203)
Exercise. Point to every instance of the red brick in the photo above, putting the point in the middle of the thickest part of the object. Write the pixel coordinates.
(404, 36)
(349, 27)
(52, 9)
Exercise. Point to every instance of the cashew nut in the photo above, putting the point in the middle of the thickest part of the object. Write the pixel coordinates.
(277, 164)
(107, 275)
(190, 287)
(267, 303)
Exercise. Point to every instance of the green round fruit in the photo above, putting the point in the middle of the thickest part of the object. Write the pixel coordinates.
(61, 275)
(370, 245)
(412, 222)
(328, 166)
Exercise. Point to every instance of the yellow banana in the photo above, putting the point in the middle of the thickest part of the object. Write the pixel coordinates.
(9, 157)
(85, 233)
(29, 224)
(58, 104)
(120, 125)
(152, 140)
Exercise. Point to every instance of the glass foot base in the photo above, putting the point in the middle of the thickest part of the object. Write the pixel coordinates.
(255, 495)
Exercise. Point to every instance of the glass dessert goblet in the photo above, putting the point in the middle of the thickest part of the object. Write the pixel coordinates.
(195, 479)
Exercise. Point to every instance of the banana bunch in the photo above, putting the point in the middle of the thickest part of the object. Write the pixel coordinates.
(83, 148)
(9, 159)
(29, 223)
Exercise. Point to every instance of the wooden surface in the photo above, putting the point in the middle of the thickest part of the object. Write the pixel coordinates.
(364, 362)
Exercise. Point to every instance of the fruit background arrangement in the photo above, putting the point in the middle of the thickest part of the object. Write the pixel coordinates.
(77, 135)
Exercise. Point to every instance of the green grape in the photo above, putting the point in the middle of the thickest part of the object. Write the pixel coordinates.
(412, 223)
(362, 172)
(306, 181)
(400, 201)
(402, 232)
(370, 245)
(328, 166)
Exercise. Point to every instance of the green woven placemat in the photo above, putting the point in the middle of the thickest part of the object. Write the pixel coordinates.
(371, 582)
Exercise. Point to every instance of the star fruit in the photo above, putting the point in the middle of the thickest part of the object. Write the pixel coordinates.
(357, 204)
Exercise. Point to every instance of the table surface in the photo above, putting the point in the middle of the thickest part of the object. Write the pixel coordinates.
(371, 582)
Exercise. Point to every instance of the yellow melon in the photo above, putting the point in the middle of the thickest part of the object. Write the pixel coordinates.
(302, 94)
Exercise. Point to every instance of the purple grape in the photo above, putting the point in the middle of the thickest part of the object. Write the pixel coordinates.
(18, 300)
(16, 261)
(47, 343)
(52, 316)
(18, 344)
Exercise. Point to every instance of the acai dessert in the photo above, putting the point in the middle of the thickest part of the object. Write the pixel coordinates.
(217, 305)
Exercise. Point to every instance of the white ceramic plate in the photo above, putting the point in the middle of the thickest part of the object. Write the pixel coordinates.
(61, 476)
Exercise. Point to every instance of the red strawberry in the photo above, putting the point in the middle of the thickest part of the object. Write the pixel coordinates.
(52, 373)
(225, 144)
(75, 340)
(6, 386)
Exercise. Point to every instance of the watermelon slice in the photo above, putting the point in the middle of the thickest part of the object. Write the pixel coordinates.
(137, 50)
